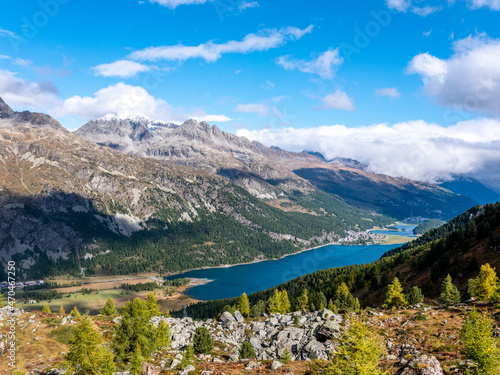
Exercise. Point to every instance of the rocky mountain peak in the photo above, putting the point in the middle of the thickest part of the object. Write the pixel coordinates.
(5, 110)
(26, 118)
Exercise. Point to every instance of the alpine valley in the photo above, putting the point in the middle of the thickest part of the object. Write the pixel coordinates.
(186, 195)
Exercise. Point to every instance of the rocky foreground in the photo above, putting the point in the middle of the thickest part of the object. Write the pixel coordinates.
(423, 341)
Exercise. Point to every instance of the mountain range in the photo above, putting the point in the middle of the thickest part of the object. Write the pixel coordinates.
(187, 195)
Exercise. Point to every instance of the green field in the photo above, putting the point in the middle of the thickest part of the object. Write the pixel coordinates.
(85, 302)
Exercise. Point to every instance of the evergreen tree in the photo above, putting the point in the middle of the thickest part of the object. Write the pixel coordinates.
(284, 302)
(258, 309)
(485, 285)
(61, 311)
(164, 334)
(46, 309)
(247, 350)
(356, 306)
(134, 331)
(202, 341)
(2, 302)
(136, 361)
(303, 301)
(331, 306)
(109, 308)
(450, 293)
(75, 313)
(274, 303)
(152, 305)
(107, 365)
(84, 353)
(187, 358)
(415, 296)
(358, 352)
(394, 298)
(244, 305)
(286, 356)
(479, 345)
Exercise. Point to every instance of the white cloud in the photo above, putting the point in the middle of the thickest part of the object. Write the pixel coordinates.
(261, 109)
(246, 5)
(4, 57)
(172, 4)
(468, 80)
(116, 99)
(210, 51)
(338, 100)
(416, 150)
(426, 10)
(21, 62)
(391, 92)
(210, 118)
(4, 32)
(427, 33)
(123, 68)
(401, 5)
(23, 93)
(492, 4)
(325, 65)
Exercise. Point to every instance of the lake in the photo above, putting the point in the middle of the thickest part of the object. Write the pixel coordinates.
(227, 282)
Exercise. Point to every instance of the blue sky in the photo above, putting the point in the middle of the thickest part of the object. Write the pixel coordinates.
(255, 66)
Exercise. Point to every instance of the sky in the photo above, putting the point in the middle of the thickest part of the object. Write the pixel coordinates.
(409, 87)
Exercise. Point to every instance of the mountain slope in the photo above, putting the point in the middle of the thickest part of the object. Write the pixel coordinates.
(458, 248)
(269, 172)
(471, 188)
(68, 204)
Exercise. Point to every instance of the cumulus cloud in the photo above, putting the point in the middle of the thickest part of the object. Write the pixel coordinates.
(391, 92)
(246, 5)
(325, 65)
(468, 80)
(172, 4)
(23, 93)
(338, 100)
(117, 98)
(123, 68)
(492, 4)
(417, 150)
(401, 5)
(210, 118)
(426, 10)
(210, 51)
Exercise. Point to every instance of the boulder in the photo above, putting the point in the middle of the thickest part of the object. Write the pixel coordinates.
(276, 365)
(187, 370)
(314, 350)
(239, 317)
(423, 365)
(329, 330)
(227, 318)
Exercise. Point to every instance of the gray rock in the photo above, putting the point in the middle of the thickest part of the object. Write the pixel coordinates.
(149, 369)
(327, 314)
(175, 363)
(239, 317)
(276, 365)
(227, 318)
(329, 330)
(253, 365)
(423, 365)
(187, 370)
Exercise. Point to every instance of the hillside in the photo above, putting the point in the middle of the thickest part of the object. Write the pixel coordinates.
(270, 173)
(69, 205)
(458, 248)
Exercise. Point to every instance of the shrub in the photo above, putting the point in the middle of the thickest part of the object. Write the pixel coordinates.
(202, 341)
(247, 350)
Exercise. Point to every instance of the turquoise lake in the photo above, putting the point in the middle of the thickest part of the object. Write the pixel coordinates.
(227, 282)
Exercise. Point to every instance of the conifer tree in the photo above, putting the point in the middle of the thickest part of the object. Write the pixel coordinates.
(356, 306)
(415, 296)
(247, 350)
(46, 309)
(136, 361)
(202, 341)
(485, 285)
(2, 302)
(286, 356)
(331, 306)
(75, 313)
(61, 311)
(394, 298)
(303, 301)
(358, 352)
(84, 353)
(187, 358)
(450, 293)
(244, 305)
(152, 305)
(164, 334)
(109, 308)
(274, 303)
(107, 365)
(284, 302)
(479, 345)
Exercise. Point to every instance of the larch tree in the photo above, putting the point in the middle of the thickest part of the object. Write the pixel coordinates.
(109, 308)
(485, 285)
(394, 298)
(244, 305)
(450, 293)
(152, 305)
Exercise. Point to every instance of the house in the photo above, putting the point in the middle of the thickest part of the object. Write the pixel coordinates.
(19, 285)
(30, 283)
(32, 301)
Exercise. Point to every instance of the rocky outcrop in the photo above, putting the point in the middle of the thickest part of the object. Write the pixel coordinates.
(423, 365)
